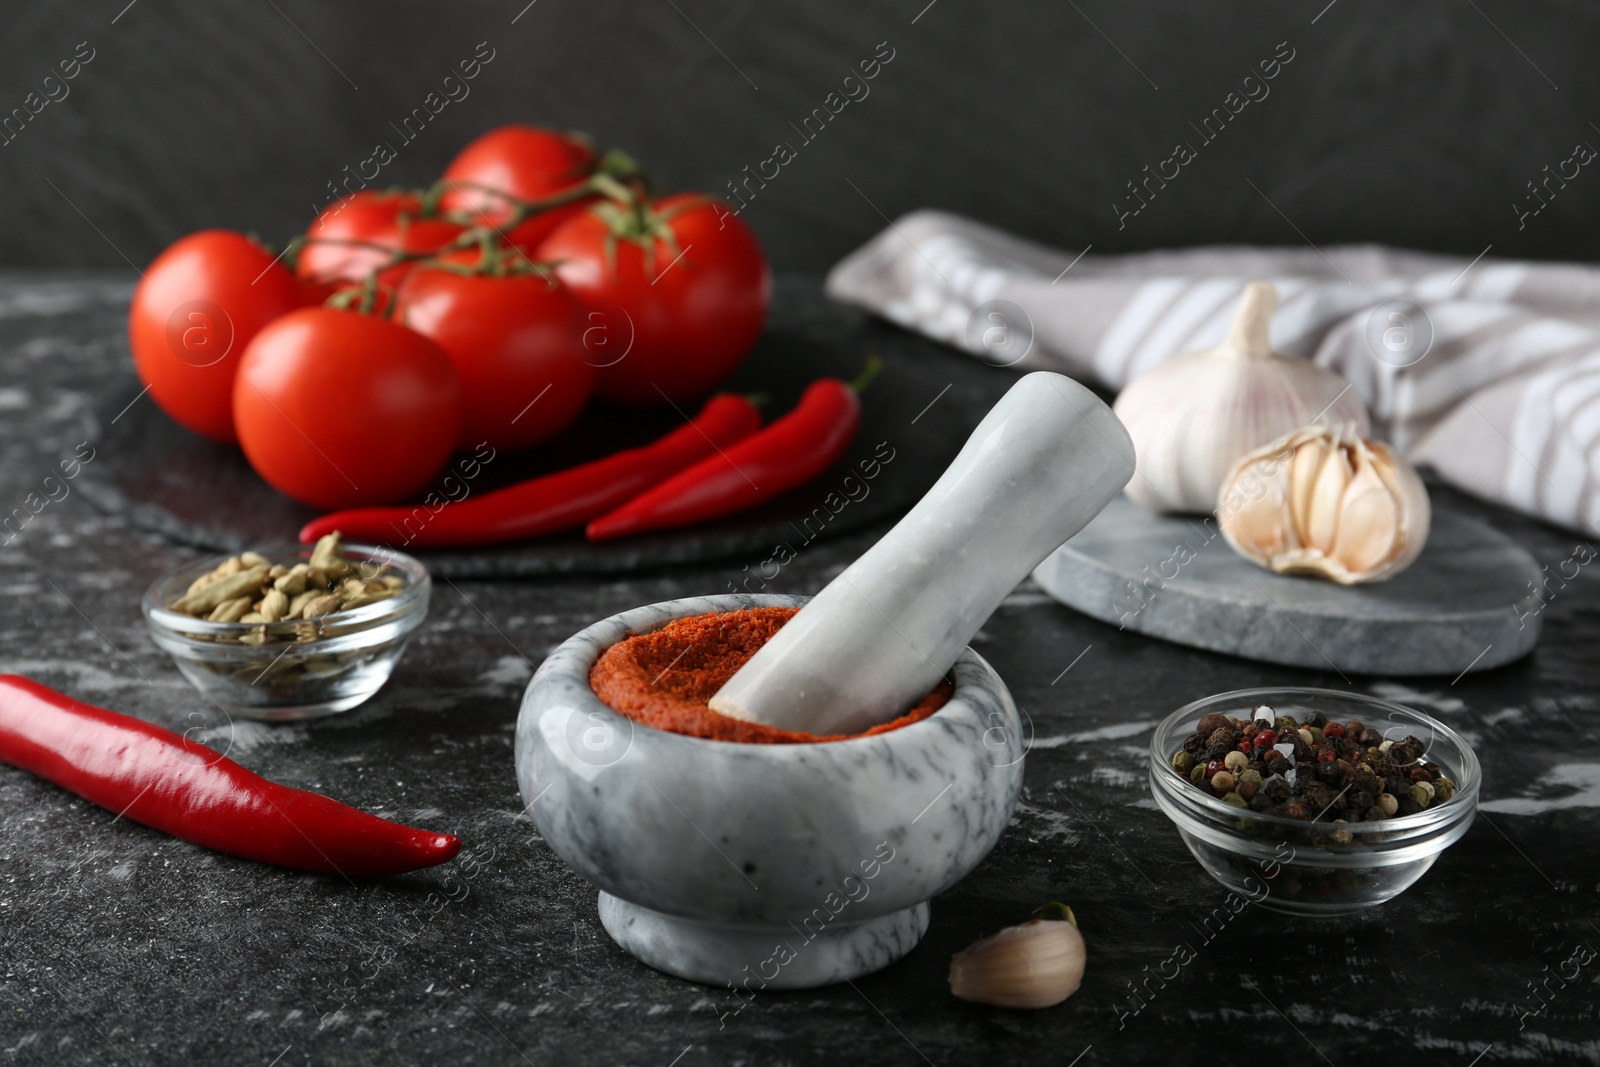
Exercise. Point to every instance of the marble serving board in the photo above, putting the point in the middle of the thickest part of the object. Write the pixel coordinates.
(918, 412)
(1466, 604)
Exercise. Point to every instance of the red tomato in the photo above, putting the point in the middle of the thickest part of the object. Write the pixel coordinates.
(387, 220)
(314, 293)
(339, 409)
(514, 339)
(684, 311)
(198, 305)
(524, 163)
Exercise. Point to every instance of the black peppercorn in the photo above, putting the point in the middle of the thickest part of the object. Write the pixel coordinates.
(1407, 752)
(1370, 738)
(1211, 722)
(1225, 736)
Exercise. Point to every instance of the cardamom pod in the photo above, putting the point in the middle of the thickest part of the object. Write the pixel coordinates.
(205, 599)
(328, 556)
(204, 580)
(362, 599)
(291, 584)
(322, 605)
(230, 610)
(274, 605)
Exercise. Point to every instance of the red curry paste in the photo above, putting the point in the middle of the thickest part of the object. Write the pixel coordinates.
(665, 678)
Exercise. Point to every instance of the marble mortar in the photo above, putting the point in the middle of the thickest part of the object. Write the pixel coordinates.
(764, 866)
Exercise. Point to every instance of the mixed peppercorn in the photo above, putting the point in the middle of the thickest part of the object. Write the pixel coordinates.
(1276, 765)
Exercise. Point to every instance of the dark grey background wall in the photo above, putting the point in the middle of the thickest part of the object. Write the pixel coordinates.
(1408, 123)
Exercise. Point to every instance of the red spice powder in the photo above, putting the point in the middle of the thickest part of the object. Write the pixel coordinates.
(665, 678)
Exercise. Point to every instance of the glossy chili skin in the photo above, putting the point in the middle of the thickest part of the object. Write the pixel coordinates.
(156, 777)
(790, 452)
(559, 501)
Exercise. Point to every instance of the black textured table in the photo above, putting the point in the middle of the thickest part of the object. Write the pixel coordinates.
(119, 945)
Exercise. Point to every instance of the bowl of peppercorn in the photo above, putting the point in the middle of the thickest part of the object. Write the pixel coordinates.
(1313, 801)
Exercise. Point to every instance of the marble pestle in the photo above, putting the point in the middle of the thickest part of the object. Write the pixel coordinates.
(1043, 462)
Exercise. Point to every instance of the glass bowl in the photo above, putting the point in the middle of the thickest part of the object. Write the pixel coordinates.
(300, 668)
(1306, 867)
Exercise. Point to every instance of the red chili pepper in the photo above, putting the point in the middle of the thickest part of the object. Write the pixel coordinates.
(790, 452)
(155, 777)
(551, 502)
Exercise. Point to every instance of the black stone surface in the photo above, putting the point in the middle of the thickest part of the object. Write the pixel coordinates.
(118, 945)
(179, 484)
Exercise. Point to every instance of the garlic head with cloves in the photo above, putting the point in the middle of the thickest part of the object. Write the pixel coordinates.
(1193, 416)
(1034, 965)
(1326, 503)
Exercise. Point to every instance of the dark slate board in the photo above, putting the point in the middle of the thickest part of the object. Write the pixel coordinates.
(166, 479)
(1466, 604)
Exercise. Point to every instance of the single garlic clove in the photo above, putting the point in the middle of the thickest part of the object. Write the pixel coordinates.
(1256, 507)
(1416, 510)
(1034, 965)
(1369, 526)
(1194, 415)
(1352, 510)
(1327, 491)
(1306, 460)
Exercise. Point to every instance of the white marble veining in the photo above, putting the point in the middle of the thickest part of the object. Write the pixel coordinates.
(708, 851)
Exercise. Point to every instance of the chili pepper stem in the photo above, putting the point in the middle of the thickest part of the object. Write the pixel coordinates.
(869, 373)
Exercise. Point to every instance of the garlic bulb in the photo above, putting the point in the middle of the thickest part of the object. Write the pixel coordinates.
(1194, 415)
(1326, 503)
(1034, 965)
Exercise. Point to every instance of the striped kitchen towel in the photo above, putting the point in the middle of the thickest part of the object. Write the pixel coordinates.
(1486, 370)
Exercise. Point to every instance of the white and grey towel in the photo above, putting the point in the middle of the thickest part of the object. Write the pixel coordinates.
(1488, 371)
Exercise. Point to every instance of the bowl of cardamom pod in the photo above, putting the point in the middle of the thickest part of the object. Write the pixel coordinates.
(288, 632)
